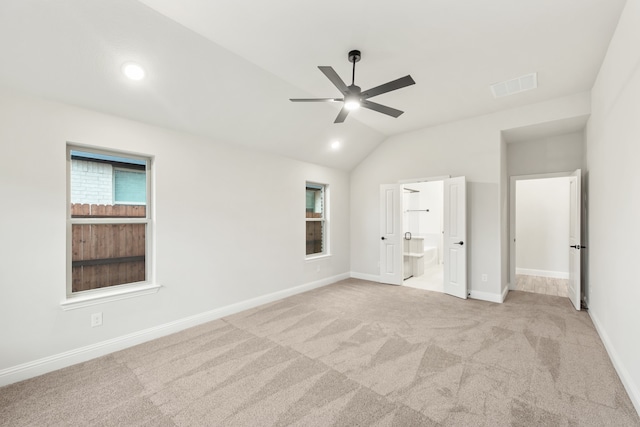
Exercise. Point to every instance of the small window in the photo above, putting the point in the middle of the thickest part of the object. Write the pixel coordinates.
(316, 219)
(129, 186)
(109, 222)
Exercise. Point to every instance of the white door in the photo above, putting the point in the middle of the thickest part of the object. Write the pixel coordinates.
(455, 237)
(574, 238)
(391, 234)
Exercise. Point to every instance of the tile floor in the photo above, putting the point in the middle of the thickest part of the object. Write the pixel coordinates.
(431, 280)
(542, 285)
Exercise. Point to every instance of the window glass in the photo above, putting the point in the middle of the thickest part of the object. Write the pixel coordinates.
(130, 186)
(315, 219)
(109, 220)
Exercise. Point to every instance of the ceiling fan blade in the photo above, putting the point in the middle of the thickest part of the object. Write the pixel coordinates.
(341, 115)
(388, 87)
(315, 99)
(381, 108)
(335, 79)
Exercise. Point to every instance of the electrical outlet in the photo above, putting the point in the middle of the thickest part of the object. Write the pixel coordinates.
(96, 319)
(484, 278)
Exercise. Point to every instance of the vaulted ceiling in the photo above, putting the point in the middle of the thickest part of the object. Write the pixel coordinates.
(226, 69)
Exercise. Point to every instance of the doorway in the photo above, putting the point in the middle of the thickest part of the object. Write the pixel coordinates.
(454, 241)
(422, 214)
(545, 224)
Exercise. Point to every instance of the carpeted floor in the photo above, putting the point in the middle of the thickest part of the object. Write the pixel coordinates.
(355, 354)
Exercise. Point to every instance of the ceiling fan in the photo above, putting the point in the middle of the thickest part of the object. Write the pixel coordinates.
(353, 96)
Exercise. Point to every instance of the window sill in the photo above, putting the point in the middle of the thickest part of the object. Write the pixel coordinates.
(317, 257)
(109, 295)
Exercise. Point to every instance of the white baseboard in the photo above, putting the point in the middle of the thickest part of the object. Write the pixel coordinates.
(82, 354)
(627, 381)
(504, 293)
(486, 296)
(364, 276)
(543, 273)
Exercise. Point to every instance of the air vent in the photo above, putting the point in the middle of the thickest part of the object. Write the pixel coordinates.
(513, 86)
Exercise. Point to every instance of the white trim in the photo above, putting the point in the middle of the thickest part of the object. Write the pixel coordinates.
(82, 354)
(512, 213)
(326, 241)
(625, 377)
(487, 296)
(428, 179)
(318, 257)
(542, 273)
(89, 298)
(364, 276)
(122, 220)
(505, 292)
(103, 294)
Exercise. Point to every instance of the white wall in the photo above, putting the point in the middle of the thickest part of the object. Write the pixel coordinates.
(472, 148)
(229, 227)
(558, 153)
(613, 155)
(542, 227)
(432, 198)
(429, 196)
(536, 156)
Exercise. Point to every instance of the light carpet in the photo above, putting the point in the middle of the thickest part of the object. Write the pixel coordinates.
(355, 353)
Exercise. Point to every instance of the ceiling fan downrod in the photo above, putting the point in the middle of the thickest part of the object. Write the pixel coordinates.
(354, 56)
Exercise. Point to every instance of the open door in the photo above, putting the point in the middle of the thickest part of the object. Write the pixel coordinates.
(574, 238)
(455, 237)
(391, 234)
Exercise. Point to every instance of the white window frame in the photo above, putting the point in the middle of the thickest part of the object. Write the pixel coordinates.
(325, 220)
(74, 300)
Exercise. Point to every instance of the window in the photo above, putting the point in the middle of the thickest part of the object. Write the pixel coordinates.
(129, 186)
(109, 220)
(316, 219)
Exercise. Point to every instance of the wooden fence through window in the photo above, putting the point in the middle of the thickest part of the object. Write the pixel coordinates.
(107, 254)
(314, 233)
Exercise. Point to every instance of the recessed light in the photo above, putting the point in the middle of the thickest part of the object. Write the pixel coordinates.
(335, 145)
(133, 71)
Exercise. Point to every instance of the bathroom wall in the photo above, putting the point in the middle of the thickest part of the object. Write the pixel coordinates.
(428, 196)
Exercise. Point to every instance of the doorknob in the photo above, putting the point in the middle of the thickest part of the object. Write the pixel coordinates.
(459, 243)
(383, 238)
(578, 247)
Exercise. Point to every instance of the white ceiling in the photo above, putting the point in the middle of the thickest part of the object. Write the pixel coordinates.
(225, 69)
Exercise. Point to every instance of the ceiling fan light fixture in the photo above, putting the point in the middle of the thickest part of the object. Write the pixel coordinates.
(351, 104)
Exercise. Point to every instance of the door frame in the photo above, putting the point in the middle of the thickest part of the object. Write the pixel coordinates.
(401, 184)
(512, 216)
(428, 179)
